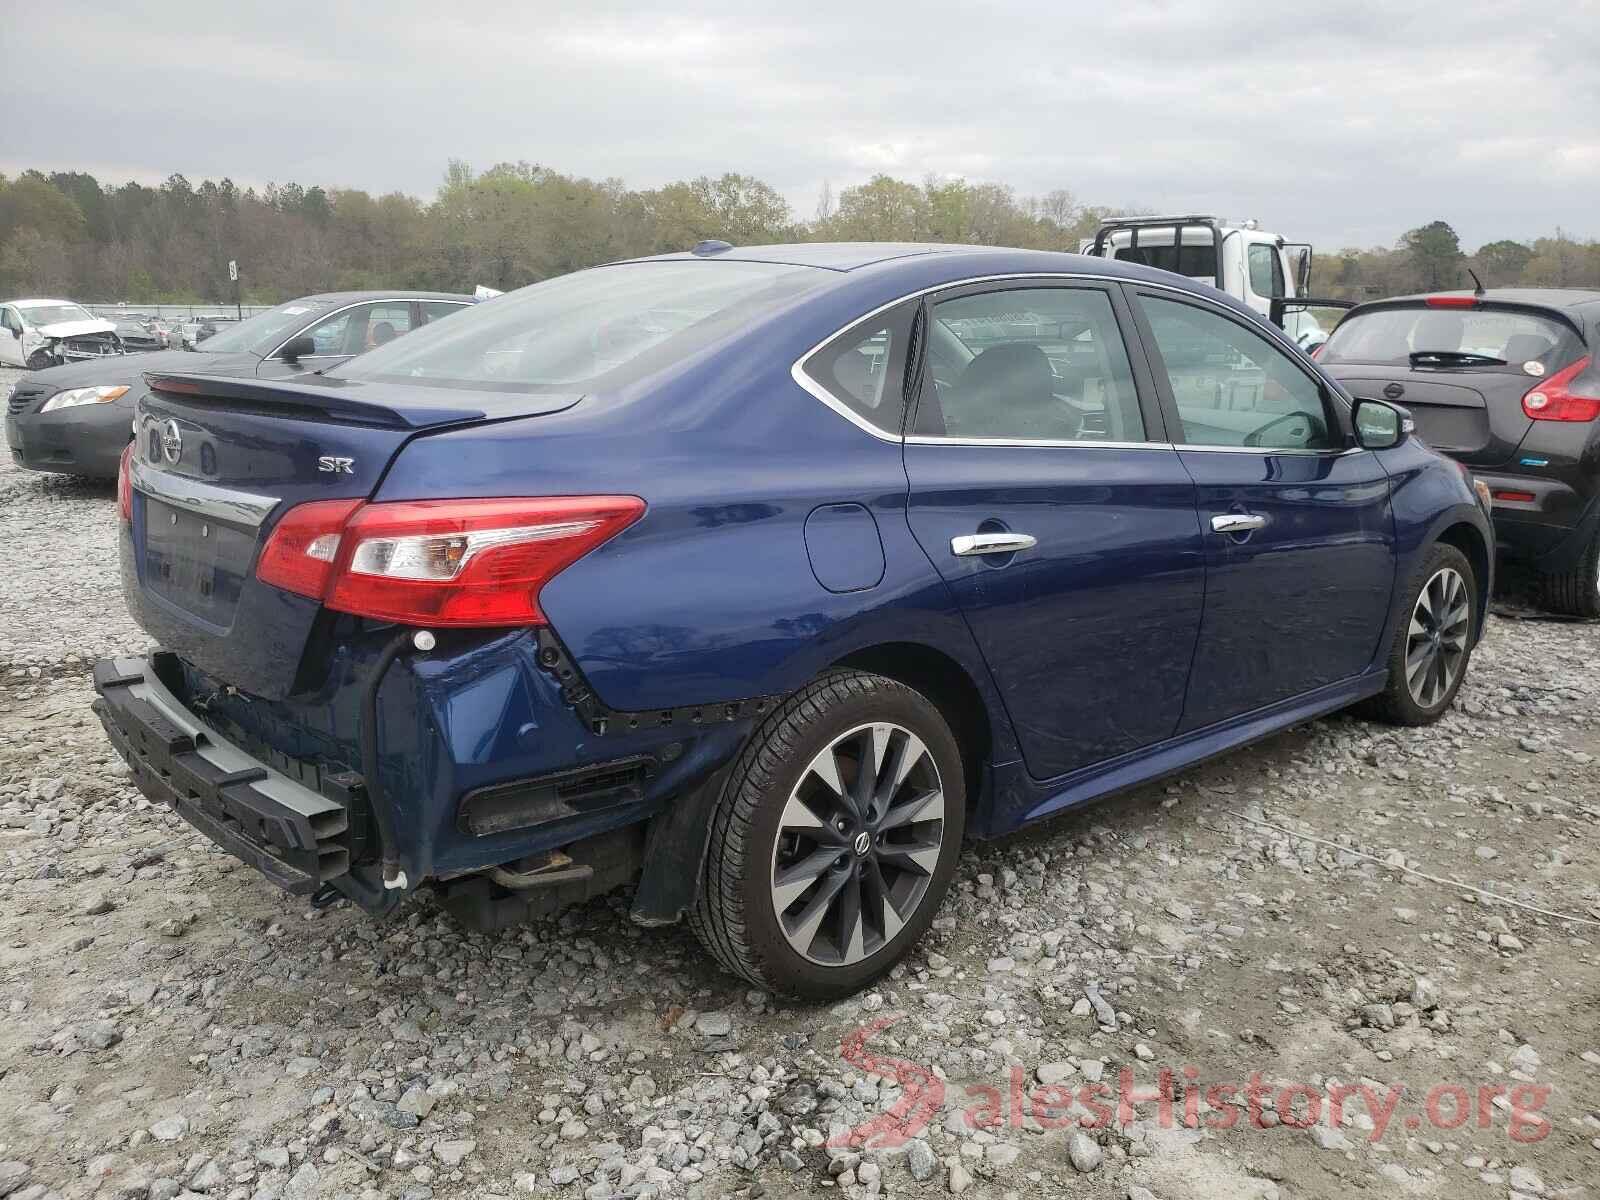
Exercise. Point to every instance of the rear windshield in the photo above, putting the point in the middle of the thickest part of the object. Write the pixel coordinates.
(1197, 262)
(594, 329)
(1451, 339)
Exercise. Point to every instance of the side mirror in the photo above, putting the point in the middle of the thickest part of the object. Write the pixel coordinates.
(1380, 425)
(297, 348)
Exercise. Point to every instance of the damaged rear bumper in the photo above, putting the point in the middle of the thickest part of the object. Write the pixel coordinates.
(297, 838)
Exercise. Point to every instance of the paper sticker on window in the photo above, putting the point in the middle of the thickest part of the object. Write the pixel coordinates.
(1533, 367)
(295, 311)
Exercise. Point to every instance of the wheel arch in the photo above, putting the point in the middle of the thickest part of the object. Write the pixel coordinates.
(681, 834)
(1468, 538)
(950, 688)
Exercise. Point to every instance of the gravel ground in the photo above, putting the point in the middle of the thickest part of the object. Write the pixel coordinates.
(176, 1026)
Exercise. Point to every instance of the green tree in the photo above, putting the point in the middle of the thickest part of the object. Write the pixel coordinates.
(1435, 254)
(880, 210)
(32, 202)
(1501, 263)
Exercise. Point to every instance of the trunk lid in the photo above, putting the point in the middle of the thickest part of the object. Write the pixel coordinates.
(1477, 419)
(216, 463)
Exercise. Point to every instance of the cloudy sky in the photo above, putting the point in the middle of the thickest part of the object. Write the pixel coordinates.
(1341, 122)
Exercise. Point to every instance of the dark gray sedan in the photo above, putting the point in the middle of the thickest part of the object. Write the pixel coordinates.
(75, 419)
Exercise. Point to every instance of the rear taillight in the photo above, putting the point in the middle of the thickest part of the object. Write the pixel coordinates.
(299, 556)
(1453, 302)
(1554, 399)
(439, 562)
(125, 485)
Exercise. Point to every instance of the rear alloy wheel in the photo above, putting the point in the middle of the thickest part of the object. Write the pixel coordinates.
(1576, 592)
(835, 838)
(1433, 644)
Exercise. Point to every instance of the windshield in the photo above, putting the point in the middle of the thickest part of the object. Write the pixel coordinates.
(593, 329)
(1451, 338)
(53, 314)
(262, 333)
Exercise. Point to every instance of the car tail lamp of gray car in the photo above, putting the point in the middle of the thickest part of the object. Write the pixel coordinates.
(1557, 400)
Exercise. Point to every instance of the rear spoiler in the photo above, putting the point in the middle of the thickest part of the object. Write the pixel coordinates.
(321, 398)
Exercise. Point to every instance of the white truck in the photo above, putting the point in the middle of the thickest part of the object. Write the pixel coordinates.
(1261, 269)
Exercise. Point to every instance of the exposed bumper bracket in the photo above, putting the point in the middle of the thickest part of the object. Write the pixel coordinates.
(292, 835)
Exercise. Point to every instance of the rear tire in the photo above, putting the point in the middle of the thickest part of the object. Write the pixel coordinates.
(1432, 646)
(819, 879)
(1575, 592)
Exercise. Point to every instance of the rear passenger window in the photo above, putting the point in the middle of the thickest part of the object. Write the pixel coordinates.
(1232, 386)
(385, 322)
(1028, 364)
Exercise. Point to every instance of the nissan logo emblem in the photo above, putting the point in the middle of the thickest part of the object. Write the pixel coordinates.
(863, 842)
(1394, 391)
(171, 441)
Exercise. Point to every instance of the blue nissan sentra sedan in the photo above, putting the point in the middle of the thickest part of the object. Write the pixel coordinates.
(761, 578)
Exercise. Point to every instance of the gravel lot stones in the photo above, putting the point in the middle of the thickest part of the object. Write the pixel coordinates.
(154, 988)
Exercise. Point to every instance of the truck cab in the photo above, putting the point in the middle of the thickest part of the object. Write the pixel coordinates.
(1261, 269)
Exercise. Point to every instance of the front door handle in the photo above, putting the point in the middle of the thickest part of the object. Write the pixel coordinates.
(1236, 522)
(968, 544)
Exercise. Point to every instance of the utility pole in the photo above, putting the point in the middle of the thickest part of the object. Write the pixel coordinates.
(233, 274)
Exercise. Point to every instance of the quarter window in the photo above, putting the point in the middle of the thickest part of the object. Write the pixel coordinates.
(1266, 271)
(1028, 364)
(864, 369)
(1233, 387)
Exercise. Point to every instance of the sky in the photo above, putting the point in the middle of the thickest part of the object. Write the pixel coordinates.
(1342, 123)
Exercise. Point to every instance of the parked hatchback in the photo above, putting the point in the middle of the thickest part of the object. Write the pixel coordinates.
(75, 419)
(1505, 381)
(762, 578)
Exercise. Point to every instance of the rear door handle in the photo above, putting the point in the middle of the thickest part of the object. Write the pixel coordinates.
(968, 544)
(1236, 522)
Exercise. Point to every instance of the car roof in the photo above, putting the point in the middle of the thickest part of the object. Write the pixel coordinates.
(948, 259)
(37, 302)
(832, 256)
(384, 294)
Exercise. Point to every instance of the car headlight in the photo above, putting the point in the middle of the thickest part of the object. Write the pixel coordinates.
(73, 397)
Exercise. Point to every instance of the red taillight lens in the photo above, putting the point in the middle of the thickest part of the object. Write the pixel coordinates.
(439, 562)
(1514, 497)
(300, 555)
(1452, 302)
(1554, 399)
(125, 485)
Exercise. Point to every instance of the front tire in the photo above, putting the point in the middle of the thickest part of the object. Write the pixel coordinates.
(39, 360)
(1433, 643)
(1575, 592)
(835, 838)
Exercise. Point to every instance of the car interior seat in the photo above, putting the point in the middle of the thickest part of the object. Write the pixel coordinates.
(1007, 391)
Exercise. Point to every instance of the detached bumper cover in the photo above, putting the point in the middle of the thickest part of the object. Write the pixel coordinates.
(291, 834)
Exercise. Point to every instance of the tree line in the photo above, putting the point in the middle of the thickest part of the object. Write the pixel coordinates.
(67, 234)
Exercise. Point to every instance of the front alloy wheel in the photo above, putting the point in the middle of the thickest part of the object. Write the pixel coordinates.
(835, 838)
(1436, 642)
(1432, 641)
